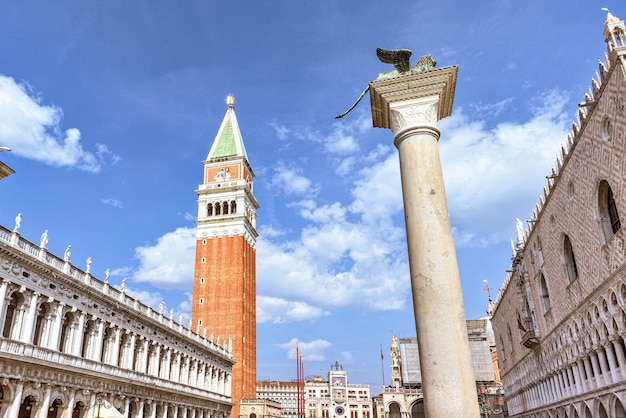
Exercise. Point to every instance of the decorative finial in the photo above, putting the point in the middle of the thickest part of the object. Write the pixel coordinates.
(230, 100)
(490, 305)
(487, 288)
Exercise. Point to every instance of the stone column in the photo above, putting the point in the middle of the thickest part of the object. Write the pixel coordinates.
(3, 300)
(56, 328)
(410, 105)
(14, 410)
(78, 335)
(43, 410)
(29, 324)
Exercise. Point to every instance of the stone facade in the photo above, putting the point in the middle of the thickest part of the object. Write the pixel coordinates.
(404, 398)
(72, 346)
(560, 318)
(259, 408)
(332, 398)
(336, 398)
(285, 393)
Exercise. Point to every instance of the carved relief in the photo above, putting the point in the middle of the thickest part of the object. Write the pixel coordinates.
(418, 115)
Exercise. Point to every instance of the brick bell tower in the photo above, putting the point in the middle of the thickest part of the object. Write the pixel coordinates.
(224, 287)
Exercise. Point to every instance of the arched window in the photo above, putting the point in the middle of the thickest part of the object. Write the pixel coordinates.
(510, 338)
(545, 296)
(417, 411)
(225, 208)
(607, 209)
(209, 209)
(570, 260)
(539, 252)
(606, 129)
(394, 410)
(619, 411)
(502, 350)
(233, 207)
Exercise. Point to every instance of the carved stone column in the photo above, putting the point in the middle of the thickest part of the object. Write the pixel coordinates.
(29, 325)
(410, 105)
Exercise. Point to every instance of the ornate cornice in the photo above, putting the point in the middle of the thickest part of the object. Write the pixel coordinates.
(439, 83)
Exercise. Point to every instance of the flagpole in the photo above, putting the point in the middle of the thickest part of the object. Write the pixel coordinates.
(382, 366)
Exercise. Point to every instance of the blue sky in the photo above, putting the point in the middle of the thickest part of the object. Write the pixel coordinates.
(110, 107)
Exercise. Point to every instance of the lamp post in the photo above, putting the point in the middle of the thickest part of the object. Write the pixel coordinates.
(100, 400)
(485, 402)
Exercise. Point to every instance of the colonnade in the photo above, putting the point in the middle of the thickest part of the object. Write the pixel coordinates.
(581, 364)
(33, 400)
(29, 317)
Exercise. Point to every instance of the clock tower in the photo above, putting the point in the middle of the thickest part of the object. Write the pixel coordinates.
(224, 288)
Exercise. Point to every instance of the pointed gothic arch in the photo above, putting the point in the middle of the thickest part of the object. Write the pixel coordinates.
(609, 217)
(571, 269)
(618, 408)
(545, 295)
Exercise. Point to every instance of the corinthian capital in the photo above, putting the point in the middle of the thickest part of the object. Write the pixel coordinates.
(413, 113)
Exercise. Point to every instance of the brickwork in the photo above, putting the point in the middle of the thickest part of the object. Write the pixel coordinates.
(224, 290)
(224, 302)
(560, 318)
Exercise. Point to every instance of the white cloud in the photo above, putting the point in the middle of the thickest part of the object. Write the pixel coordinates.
(352, 252)
(168, 263)
(310, 351)
(34, 131)
(494, 175)
(348, 255)
(282, 132)
(324, 214)
(288, 180)
(152, 299)
(341, 141)
(280, 311)
(112, 202)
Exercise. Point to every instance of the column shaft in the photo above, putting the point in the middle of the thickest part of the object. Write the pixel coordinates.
(445, 360)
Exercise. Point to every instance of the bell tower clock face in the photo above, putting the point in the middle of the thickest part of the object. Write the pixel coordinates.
(339, 410)
(338, 381)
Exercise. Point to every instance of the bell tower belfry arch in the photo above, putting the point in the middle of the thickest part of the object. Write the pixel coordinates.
(224, 289)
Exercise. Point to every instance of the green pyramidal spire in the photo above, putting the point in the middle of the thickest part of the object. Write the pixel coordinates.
(228, 141)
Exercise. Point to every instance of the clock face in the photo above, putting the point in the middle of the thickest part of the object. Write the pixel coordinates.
(339, 410)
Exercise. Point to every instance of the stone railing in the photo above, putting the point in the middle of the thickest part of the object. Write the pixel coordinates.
(66, 361)
(63, 267)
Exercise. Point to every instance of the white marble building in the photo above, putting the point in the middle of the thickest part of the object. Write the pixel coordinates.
(72, 346)
(332, 398)
(560, 317)
(336, 398)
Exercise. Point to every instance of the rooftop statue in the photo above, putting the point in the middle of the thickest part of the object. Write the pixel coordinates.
(400, 60)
